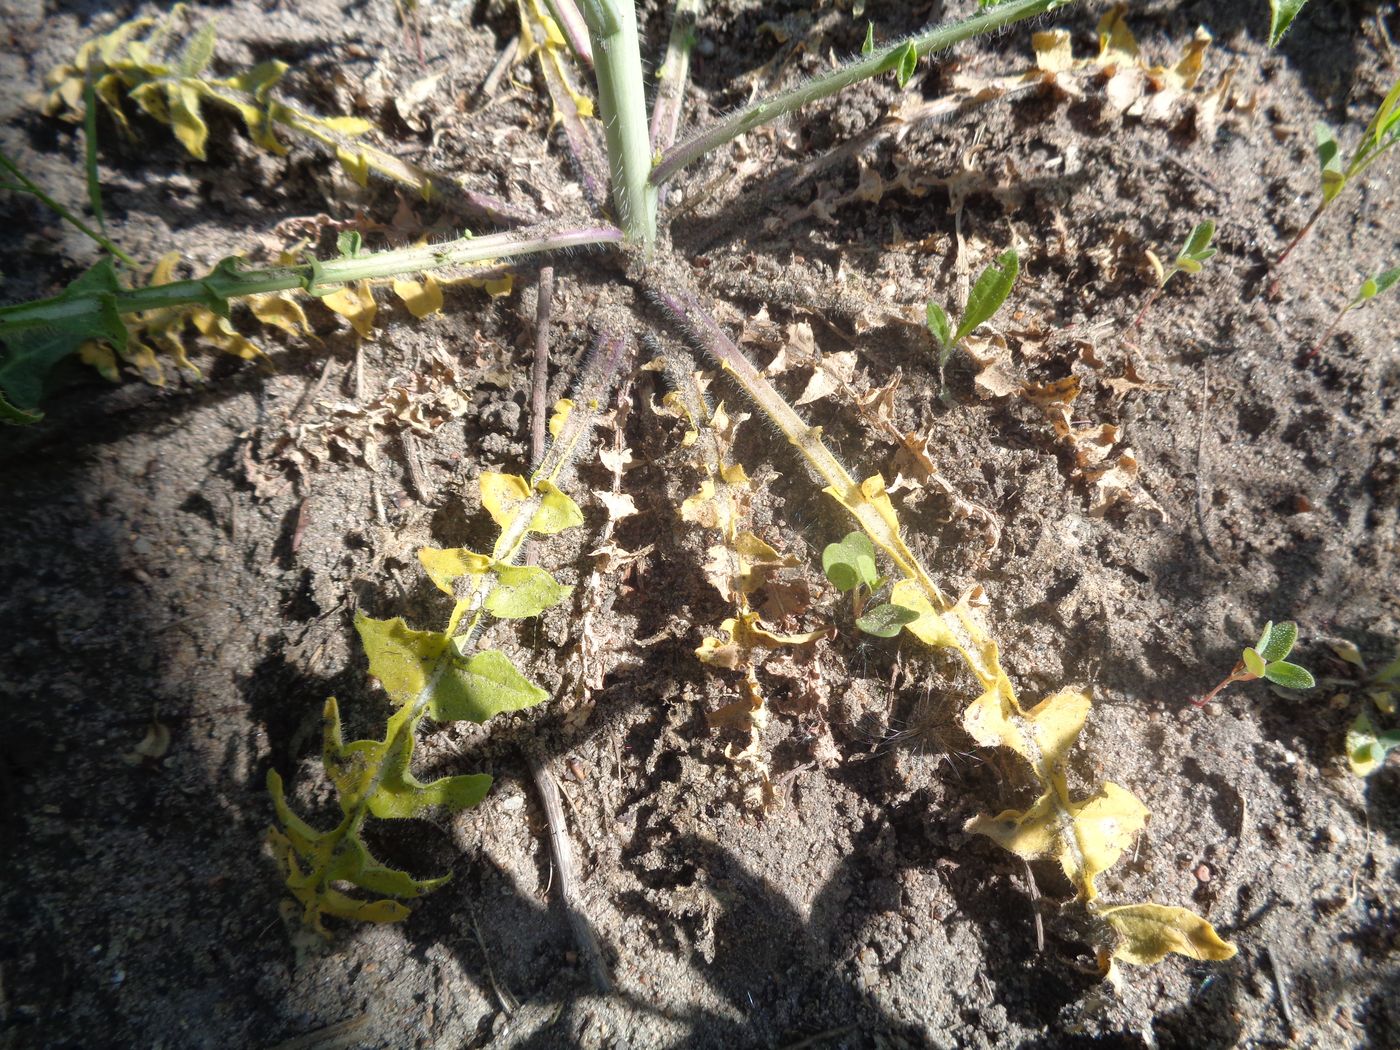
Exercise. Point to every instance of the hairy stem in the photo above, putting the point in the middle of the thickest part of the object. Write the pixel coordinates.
(27, 185)
(228, 281)
(675, 70)
(612, 25)
(879, 61)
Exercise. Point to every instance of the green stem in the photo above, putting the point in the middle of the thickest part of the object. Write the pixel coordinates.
(228, 281)
(880, 61)
(28, 186)
(674, 71)
(617, 58)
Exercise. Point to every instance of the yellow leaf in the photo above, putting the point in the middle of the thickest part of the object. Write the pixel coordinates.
(1029, 834)
(562, 408)
(1116, 41)
(280, 310)
(352, 127)
(446, 566)
(355, 162)
(502, 495)
(185, 121)
(354, 302)
(400, 657)
(1147, 932)
(101, 357)
(930, 627)
(1052, 50)
(421, 299)
(1042, 736)
(704, 510)
(1104, 826)
(220, 332)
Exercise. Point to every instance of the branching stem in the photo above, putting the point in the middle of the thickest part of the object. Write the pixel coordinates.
(229, 281)
(671, 77)
(877, 62)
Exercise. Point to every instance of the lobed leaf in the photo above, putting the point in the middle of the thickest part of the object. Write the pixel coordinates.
(1149, 932)
(886, 621)
(988, 294)
(1042, 736)
(399, 794)
(404, 660)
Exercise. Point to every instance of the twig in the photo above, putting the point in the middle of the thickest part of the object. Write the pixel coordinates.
(509, 1003)
(539, 377)
(503, 63)
(1035, 903)
(1201, 462)
(589, 950)
(415, 467)
(1281, 983)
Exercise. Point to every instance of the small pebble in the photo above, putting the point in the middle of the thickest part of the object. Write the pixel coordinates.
(1203, 873)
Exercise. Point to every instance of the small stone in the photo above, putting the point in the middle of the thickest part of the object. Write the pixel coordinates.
(1335, 835)
(1203, 873)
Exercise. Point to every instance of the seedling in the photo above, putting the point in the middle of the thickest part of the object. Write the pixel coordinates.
(1194, 254)
(850, 568)
(986, 297)
(1370, 288)
(1380, 135)
(1366, 747)
(1266, 659)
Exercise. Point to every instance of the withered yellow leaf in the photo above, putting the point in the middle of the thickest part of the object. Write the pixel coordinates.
(1053, 52)
(1148, 932)
(280, 310)
(422, 299)
(562, 408)
(355, 303)
(445, 566)
(930, 627)
(1042, 736)
(1030, 834)
(1104, 826)
(502, 495)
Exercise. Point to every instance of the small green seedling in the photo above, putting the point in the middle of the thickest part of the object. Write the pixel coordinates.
(1194, 254)
(1265, 659)
(1370, 288)
(1281, 15)
(1367, 748)
(1380, 135)
(988, 294)
(850, 566)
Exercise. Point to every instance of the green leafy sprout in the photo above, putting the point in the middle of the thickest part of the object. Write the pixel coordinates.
(985, 298)
(1367, 747)
(850, 566)
(1266, 659)
(1381, 134)
(1191, 259)
(1370, 288)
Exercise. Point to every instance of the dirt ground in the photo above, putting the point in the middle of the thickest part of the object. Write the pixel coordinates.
(190, 555)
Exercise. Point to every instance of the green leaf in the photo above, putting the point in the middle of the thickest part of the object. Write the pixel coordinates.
(1364, 751)
(401, 658)
(1329, 161)
(938, 325)
(1253, 663)
(869, 44)
(1387, 117)
(1278, 640)
(556, 512)
(523, 590)
(198, 53)
(399, 794)
(485, 685)
(32, 353)
(908, 62)
(1374, 286)
(988, 293)
(1197, 248)
(850, 562)
(885, 621)
(1289, 676)
(1281, 15)
(348, 244)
